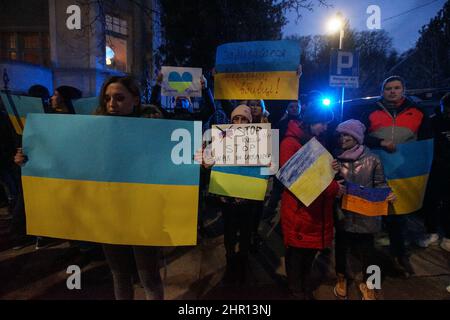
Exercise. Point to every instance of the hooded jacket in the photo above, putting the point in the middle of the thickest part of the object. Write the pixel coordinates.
(305, 227)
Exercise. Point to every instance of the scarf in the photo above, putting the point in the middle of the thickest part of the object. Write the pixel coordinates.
(352, 154)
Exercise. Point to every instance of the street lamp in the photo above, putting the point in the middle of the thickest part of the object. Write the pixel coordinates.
(334, 25)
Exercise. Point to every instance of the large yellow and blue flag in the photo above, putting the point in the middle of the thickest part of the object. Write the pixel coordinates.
(18, 107)
(407, 172)
(257, 70)
(308, 172)
(110, 179)
(239, 182)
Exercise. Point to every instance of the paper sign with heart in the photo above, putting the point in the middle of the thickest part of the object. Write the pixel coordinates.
(180, 83)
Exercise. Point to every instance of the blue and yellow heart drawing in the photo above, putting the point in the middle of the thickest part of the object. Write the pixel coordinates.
(180, 82)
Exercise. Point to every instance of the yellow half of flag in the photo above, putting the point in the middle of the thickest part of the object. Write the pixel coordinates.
(115, 213)
(314, 180)
(278, 85)
(410, 193)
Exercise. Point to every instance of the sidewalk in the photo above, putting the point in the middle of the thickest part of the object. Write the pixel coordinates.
(195, 273)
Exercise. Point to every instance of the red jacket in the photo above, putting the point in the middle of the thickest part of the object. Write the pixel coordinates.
(305, 227)
(403, 124)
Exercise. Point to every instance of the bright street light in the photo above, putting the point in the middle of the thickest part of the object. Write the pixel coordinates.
(334, 25)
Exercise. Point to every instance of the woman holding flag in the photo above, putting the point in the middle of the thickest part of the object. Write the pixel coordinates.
(120, 96)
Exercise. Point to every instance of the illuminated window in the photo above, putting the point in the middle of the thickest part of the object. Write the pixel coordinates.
(109, 56)
(116, 33)
(116, 53)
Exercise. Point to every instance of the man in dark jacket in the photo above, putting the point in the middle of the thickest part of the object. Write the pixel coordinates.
(437, 198)
(393, 120)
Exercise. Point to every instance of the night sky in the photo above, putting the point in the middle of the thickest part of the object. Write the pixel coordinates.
(404, 29)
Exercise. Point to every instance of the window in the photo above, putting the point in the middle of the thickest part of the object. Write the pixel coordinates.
(32, 47)
(116, 25)
(116, 33)
(116, 53)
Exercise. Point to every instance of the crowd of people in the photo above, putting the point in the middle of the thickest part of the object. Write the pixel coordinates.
(306, 230)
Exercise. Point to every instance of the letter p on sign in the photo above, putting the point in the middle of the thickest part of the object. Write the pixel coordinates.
(344, 61)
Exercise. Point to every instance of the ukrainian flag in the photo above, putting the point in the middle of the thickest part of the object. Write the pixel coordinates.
(110, 180)
(238, 182)
(308, 172)
(85, 106)
(18, 107)
(407, 172)
(257, 70)
(366, 201)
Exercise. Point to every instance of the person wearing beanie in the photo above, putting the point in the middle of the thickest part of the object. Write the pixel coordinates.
(356, 164)
(237, 216)
(395, 119)
(259, 115)
(241, 114)
(306, 230)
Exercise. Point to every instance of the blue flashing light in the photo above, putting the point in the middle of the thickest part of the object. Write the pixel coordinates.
(326, 102)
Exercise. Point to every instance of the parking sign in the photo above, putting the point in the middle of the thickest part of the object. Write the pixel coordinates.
(344, 69)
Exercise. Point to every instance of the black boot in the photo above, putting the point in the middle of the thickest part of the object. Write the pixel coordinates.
(402, 267)
(231, 271)
(243, 271)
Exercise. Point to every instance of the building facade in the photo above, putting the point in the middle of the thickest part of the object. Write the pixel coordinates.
(77, 43)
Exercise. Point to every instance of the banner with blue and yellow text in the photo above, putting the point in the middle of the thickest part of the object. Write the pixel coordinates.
(111, 179)
(257, 70)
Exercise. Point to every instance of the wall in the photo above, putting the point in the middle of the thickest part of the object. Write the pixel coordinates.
(23, 75)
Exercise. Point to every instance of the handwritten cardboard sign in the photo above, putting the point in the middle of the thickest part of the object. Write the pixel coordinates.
(242, 144)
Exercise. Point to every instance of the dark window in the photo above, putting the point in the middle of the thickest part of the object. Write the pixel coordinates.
(32, 47)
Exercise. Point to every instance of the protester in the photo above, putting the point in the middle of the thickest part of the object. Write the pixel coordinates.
(306, 230)
(259, 111)
(120, 96)
(183, 105)
(153, 112)
(238, 218)
(395, 119)
(293, 111)
(61, 101)
(437, 198)
(9, 176)
(356, 164)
